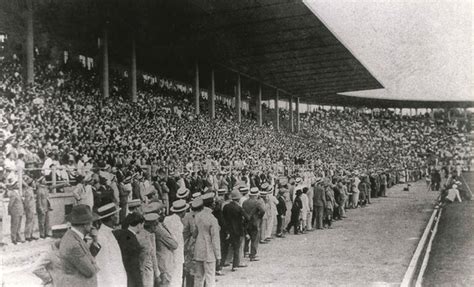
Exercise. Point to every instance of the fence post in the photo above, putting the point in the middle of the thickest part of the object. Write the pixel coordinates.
(53, 176)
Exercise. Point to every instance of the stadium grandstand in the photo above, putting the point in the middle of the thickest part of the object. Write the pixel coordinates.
(164, 143)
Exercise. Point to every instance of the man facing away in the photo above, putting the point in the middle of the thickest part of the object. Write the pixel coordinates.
(207, 251)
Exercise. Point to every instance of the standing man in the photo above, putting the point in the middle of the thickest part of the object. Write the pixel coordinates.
(319, 202)
(281, 211)
(15, 208)
(77, 258)
(175, 227)
(234, 218)
(383, 184)
(43, 206)
(29, 207)
(207, 251)
(109, 260)
(131, 248)
(165, 245)
(254, 212)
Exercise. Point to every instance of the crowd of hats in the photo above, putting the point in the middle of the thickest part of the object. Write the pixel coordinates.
(63, 118)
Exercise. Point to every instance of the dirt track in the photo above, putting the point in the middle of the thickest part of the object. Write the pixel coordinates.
(372, 247)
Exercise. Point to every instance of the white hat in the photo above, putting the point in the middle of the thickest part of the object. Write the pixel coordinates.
(182, 192)
(107, 210)
(254, 191)
(179, 206)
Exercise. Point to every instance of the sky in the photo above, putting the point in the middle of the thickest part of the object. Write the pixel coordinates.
(417, 49)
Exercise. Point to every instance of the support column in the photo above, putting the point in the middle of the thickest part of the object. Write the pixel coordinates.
(465, 113)
(277, 111)
(133, 72)
(29, 45)
(259, 105)
(197, 92)
(105, 62)
(290, 109)
(212, 96)
(238, 112)
(297, 114)
(449, 114)
(416, 111)
(432, 113)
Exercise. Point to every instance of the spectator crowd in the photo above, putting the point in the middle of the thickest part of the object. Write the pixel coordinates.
(163, 196)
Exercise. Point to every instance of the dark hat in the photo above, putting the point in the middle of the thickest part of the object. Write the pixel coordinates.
(81, 214)
(107, 210)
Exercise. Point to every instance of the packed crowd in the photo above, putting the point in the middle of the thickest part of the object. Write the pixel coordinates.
(187, 189)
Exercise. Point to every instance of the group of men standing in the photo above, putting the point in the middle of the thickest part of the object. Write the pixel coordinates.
(190, 242)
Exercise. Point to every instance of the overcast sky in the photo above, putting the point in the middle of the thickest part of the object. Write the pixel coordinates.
(417, 49)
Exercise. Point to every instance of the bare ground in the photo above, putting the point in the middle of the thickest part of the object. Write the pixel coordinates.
(372, 247)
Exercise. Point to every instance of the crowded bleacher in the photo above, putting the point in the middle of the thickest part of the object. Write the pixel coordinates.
(154, 162)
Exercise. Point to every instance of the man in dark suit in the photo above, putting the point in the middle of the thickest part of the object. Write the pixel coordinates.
(254, 212)
(319, 202)
(131, 248)
(234, 219)
(77, 258)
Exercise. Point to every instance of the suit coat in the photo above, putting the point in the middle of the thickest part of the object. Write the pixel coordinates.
(42, 199)
(234, 219)
(165, 245)
(319, 196)
(79, 268)
(131, 250)
(254, 211)
(207, 247)
(15, 203)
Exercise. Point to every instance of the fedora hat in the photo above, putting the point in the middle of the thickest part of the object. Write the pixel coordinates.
(81, 214)
(254, 191)
(107, 210)
(235, 195)
(182, 192)
(179, 205)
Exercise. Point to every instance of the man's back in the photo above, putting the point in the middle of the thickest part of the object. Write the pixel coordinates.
(319, 196)
(234, 216)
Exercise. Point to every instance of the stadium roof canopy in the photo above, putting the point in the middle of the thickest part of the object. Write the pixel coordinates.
(278, 42)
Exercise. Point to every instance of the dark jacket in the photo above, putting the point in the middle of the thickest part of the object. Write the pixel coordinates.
(131, 250)
(253, 211)
(281, 206)
(234, 219)
(319, 197)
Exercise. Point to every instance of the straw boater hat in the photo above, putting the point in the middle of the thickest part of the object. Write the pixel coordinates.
(107, 210)
(81, 214)
(254, 191)
(196, 195)
(221, 191)
(182, 192)
(179, 205)
(134, 203)
(265, 185)
(244, 189)
(208, 197)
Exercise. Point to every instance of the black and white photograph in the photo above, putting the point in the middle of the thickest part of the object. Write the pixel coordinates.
(202, 143)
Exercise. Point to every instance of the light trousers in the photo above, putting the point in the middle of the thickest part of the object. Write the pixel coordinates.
(205, 272)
